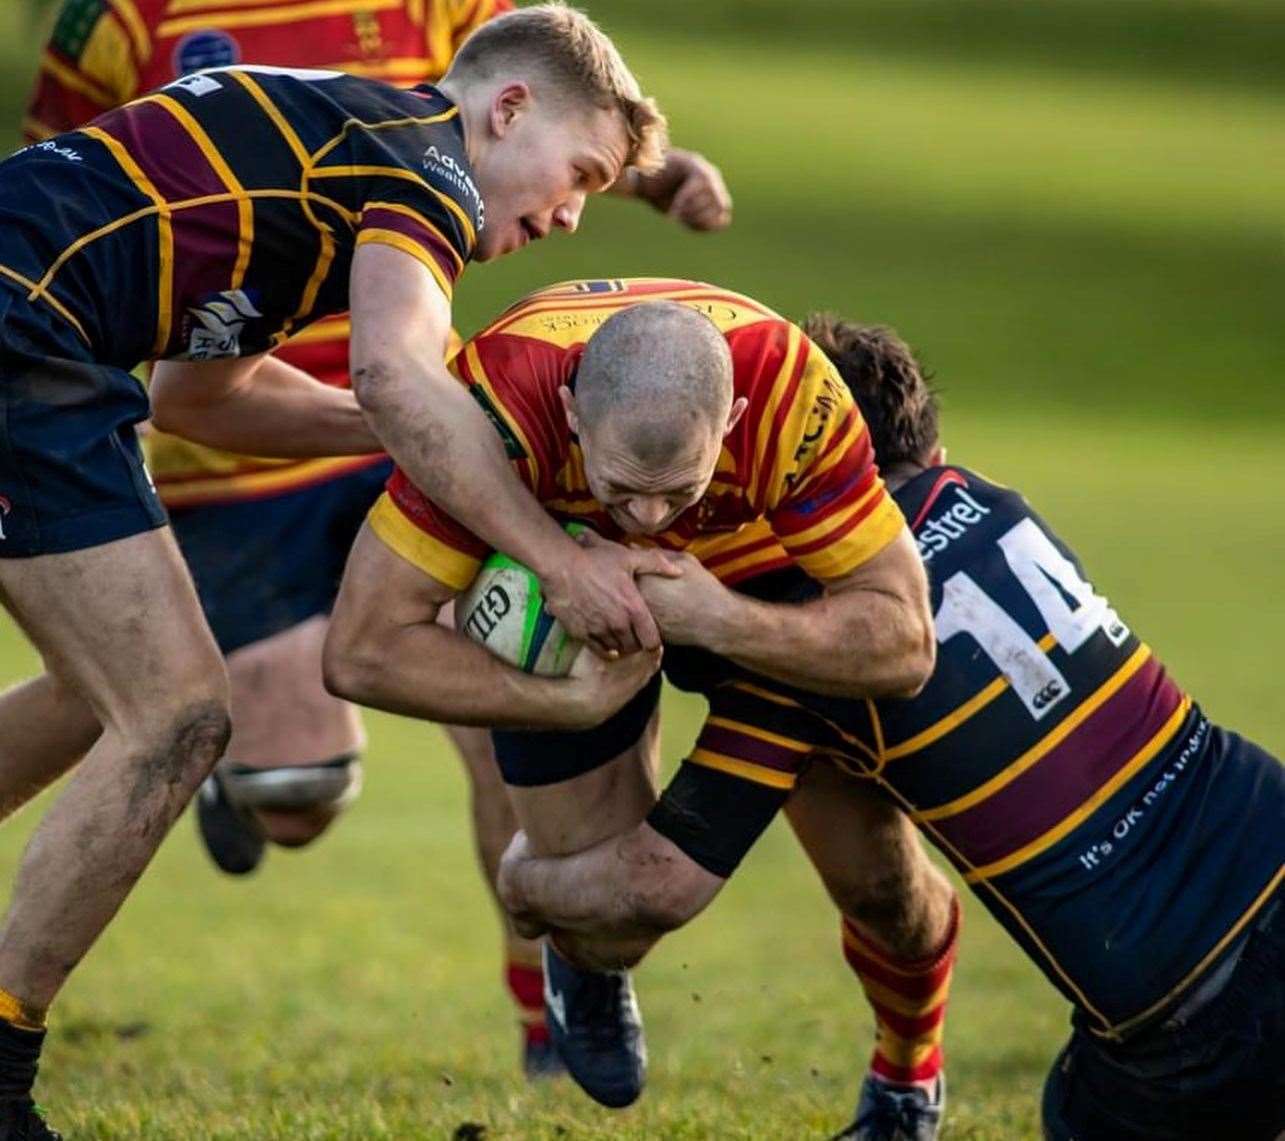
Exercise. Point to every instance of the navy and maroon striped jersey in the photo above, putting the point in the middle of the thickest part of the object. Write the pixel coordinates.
(220, 214)
(1122, 839)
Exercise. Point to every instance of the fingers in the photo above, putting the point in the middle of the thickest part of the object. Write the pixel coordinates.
(669, 564)
(702, 201)
(643, 626)
(701, 208)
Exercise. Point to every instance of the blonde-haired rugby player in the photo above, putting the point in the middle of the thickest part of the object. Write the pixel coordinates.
(198, 227)
(266, 539)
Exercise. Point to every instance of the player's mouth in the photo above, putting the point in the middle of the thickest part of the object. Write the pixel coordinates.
(530, 231)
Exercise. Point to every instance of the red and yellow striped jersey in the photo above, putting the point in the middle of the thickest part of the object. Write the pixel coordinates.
(103, 53)
(798, 464)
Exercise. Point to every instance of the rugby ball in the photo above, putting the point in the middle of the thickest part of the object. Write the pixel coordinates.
(504, 611)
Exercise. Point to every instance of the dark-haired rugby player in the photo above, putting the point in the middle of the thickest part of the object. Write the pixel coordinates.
(200, 226)
(670, 414)
(266, 539)
(1133, 849)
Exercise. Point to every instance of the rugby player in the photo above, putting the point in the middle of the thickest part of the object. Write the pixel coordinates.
(671, 414)
(266, 539)
(199, 226)
(1131, 847)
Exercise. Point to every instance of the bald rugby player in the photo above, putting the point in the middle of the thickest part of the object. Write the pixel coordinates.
(670, 414)
(199, 226)
(266, 539)
(1131, 847)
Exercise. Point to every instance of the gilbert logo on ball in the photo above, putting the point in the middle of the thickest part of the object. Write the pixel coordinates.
(504, 610)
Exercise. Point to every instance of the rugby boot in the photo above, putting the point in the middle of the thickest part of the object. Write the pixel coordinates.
(540, 1060)
(22, 1121)
(232, 838)
(596, 1028)
(896, 1113)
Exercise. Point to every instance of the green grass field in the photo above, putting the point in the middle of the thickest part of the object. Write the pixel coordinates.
(1073, 211)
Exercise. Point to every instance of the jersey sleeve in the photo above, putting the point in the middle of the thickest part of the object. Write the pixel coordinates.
(91, 64)
(748, 757)
(506, 377)
(411, 525)
(828, 505)
(419, 198)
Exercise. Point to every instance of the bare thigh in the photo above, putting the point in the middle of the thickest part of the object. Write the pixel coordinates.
(575, 814)
(281, 712)
(120, 624)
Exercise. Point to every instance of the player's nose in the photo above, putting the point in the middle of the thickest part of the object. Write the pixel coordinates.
(648, 511)
(567, 216)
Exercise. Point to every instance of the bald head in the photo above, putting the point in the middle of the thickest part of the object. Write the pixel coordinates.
(652, 404)
(659, 372)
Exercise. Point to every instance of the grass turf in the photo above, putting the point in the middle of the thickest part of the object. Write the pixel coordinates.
(1080, 232)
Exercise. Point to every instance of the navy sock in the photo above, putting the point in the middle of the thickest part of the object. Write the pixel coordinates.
(19, 1057)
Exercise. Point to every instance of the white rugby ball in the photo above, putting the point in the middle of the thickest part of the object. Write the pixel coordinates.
(504, 611)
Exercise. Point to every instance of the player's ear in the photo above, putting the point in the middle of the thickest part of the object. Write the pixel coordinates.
(738, 410)
(938, 458)
(569, 407)
(508, 105)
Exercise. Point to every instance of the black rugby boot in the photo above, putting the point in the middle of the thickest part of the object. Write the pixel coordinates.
(596, 1027)
(231, 836)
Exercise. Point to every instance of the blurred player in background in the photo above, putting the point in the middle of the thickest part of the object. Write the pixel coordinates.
(266, 540)
(1133, 849)
(198, 227)
(674, 414)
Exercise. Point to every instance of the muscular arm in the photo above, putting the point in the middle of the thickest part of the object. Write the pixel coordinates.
(386, 649)
(869, 635)
(443, 441)
(257, 406)
(634, 886)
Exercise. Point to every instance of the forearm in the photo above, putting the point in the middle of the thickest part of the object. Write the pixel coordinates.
(427, 671)
(276, 411)
(629, 887)
(855, 643)
(443, 441)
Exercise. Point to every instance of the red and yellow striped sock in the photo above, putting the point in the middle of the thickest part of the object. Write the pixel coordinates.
(525, 980)
(909, 1001)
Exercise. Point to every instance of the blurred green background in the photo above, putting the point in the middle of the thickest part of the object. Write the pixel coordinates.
(1073, 211)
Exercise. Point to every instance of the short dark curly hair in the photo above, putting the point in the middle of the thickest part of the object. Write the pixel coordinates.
(890, 388)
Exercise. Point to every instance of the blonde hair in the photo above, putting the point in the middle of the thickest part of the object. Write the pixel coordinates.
(579, 60)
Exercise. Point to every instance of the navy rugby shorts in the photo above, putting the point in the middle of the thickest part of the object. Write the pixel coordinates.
(1210, 1067)
(530, 758)
(71, 473)
(264, 565)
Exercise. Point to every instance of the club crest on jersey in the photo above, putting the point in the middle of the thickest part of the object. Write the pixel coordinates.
(210, 47)
(5, 508)
(214, 327)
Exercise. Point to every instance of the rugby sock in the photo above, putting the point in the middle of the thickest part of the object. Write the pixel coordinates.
(526, 984)
(909, 1001)
(22, 1033)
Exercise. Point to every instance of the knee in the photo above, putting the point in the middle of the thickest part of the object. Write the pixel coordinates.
(177, 750)
(888, 896)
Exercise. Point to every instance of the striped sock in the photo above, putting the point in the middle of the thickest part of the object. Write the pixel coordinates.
(526, 984)
(909, 1001)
